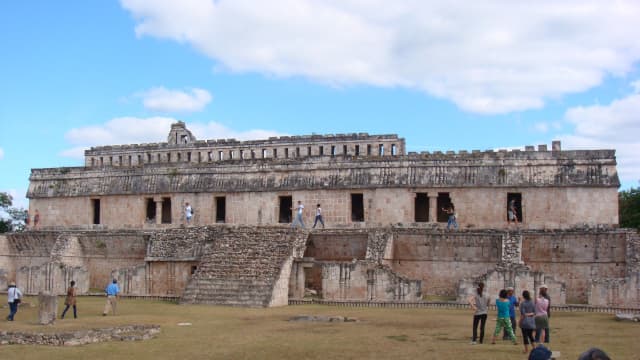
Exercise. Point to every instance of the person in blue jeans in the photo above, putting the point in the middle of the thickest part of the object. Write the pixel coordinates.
(13, 298)
(452, 217)
(503, 320)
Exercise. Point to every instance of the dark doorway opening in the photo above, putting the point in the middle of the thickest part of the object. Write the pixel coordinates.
(166, 210)
(284, 214)
(221, 209)
(422, 207)
(96, 211)
(151, 209)
(357, 207)
(444, 202)
(517, 198)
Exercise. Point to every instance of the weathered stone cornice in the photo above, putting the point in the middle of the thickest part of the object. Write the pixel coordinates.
(593, 168)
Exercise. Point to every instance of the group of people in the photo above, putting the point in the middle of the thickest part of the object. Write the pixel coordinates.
(533, 322)
(36, 219)
(298, 219)
(14, 297)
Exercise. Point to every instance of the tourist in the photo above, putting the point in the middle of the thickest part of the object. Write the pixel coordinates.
(479, 304)
(503, 321)
(547, 333)
(70, 301)
(594, 354)
(512, 212)
(298, 218)
(14, 296)
(513, 303)
(452, 217)
(540, 353)
(188, 212)
(541, 317)
(36, 219)
(318, 217)
(112, 291)
(527, 321)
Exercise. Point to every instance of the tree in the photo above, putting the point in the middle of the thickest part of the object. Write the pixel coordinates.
(629, 207)
(11, 218)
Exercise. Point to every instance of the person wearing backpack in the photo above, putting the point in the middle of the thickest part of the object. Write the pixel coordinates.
(14, 295)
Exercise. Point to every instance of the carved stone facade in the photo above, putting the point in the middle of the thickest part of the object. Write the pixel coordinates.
(121, 215)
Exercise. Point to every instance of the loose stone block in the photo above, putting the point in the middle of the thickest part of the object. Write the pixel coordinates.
(47, 308)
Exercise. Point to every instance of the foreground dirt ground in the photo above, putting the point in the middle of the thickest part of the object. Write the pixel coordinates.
(240, 333)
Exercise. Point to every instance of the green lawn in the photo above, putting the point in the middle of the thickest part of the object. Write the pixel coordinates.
(239, 333)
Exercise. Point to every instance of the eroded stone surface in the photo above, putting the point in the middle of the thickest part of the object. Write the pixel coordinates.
(81, 337)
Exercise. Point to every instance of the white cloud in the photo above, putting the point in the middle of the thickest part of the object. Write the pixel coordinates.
(636, 86)
(544, 127)
(612, 126)
(163, 99)
(487, 57)
(132, 130)
(1, 154)
(19, 198)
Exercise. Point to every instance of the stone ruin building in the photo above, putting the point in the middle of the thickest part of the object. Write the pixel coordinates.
(121, 215)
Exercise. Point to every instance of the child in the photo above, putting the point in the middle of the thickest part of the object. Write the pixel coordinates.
(503, 320)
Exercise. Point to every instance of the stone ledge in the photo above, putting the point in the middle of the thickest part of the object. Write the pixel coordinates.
(81, 337)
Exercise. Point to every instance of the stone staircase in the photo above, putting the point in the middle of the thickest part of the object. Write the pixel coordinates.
(245, 266)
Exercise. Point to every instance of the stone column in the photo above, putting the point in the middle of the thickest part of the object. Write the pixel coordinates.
(158, 211)
(47, 308)
(433, 208)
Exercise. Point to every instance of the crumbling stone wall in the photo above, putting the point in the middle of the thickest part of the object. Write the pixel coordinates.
(623, 291)
(365, 280)
(440, 259)
(478, 184)
(244, 266)
(575, 257)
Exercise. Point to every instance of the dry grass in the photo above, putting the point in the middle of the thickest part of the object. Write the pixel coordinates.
(238, 333)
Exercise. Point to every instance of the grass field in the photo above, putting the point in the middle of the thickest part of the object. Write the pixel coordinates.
(239, 333)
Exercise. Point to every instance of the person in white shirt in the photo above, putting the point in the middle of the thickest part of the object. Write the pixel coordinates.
(298, 218)
(188, 213)
(318, 217)
(14, 296)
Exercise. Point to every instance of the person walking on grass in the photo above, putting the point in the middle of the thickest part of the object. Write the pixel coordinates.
(70, 301)
(527, 321)
(503, 320)
(542, 316)
(479, 304)
(14, 296)
(513, 303)
(112, 291)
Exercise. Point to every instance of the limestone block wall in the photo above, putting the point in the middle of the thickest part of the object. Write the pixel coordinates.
(441, 259)
(620, 292)
(576, 257)
(520, 278)
(476, 208)
(53, 277)
(18, 250)
(215, 151)
(364, 280)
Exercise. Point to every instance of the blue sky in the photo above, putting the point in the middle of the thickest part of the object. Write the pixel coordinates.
(444, 75)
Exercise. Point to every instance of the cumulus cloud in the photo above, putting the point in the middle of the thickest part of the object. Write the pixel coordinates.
(133, 130)
(163, 99)
(486, 57)
(1, 154)
(612, 126)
